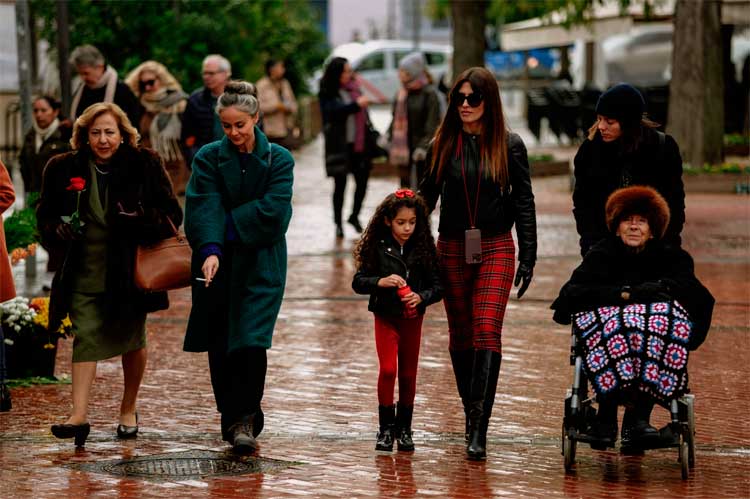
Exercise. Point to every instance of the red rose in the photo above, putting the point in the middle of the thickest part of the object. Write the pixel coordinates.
(77, 184)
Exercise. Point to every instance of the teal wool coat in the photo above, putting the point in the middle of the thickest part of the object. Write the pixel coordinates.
(249, 286)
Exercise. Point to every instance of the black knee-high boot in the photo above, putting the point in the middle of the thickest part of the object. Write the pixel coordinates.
(463, 362)
(480, 380)
(636, 430)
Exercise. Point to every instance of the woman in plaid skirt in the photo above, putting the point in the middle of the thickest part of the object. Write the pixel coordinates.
(480, 172)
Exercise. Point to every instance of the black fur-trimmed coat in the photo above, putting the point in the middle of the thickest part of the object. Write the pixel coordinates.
(138, 183)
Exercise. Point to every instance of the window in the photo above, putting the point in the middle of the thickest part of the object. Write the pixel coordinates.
(434, 58)
(398, 55)
(373, 61)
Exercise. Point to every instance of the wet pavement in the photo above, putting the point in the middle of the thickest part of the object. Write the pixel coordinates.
(320, 400)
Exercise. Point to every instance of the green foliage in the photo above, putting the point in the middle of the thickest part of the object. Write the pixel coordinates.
(716, 169)
(180, 33)
(736, 139)
(540, 158)
(20, 229)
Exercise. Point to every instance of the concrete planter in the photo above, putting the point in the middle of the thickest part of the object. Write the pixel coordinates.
(730, 183)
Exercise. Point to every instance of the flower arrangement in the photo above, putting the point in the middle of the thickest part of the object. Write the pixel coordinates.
(21, 317)
(21, 236)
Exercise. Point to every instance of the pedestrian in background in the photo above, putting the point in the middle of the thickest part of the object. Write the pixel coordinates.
(122, 196)
(624, 148)
(278, 106)
(200, 124)
(345, 128)
(397, 266)
(416, 116)
(160, 127)
(480, 172)
(237, 210)
(99, 83)
(47, 137)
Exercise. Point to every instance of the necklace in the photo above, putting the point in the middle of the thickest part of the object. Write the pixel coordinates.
(100, 171)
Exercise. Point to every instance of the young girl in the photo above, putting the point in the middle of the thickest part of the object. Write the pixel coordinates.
(397, 266)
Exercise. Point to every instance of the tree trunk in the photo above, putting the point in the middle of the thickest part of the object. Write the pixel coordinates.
(696, 92)
(469, 19)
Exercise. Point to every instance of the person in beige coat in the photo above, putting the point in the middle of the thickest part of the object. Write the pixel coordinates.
(7, 197)
(277, 104)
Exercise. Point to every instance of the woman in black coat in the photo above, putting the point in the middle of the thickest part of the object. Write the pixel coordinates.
(624, 148)
(637, 309)
(479, 171)
(345, 128)
(48, 136)
(97, 204)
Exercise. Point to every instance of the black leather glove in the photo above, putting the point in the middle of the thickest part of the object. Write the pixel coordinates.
(649, 292)
(523, 276)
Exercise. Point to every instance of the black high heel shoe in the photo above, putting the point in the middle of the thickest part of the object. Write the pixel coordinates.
(79, 432)
(124, 431)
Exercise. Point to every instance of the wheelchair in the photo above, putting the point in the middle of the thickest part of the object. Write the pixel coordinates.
(580, 413)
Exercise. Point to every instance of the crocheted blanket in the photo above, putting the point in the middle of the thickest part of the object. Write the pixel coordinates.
(641, 346)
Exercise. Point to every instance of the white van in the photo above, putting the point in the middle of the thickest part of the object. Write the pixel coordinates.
(376, 63)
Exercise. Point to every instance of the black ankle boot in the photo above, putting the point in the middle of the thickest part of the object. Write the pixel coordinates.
(241, 433)
(637, 433)
(354, 222)
(387, 417)
(403, 427)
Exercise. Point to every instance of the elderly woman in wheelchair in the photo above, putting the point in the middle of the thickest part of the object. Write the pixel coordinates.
(637, 309)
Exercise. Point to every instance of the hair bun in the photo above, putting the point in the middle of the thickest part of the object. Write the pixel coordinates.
(240, 88)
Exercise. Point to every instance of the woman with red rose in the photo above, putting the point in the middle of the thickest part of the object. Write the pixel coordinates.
(98, 202)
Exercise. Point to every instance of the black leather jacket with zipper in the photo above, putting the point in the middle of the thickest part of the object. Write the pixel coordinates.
(395, 259)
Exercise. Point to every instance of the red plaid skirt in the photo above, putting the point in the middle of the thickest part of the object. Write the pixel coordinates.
(476, 294)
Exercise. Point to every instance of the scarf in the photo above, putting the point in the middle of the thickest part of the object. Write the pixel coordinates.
(108, 79)
(43, 134)
(360, 118)
(166, 127)
(399, 152)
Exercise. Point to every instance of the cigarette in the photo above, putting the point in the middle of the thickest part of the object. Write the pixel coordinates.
(200, 279)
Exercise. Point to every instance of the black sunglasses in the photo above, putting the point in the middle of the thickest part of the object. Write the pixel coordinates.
(146, 83)
(474, 99)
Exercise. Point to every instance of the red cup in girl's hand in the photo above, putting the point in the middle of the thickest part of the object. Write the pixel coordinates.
(409, 312)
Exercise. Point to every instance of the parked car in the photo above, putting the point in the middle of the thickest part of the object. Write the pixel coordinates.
(376, 63)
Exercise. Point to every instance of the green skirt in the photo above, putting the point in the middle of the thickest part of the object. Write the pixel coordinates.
(99, 336)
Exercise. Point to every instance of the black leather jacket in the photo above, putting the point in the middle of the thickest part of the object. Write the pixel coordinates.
(385, 301)
(498, 210)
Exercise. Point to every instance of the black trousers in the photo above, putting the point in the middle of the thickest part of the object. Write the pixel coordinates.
(360, 168)
(238, 379)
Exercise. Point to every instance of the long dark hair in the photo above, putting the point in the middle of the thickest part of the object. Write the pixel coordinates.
(493, 141)
(330, 82)
(365, 253)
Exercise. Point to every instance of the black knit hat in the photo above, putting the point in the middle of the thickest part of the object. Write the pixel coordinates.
(622, 102)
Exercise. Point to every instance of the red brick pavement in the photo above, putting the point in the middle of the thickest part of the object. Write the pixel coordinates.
(321, 401)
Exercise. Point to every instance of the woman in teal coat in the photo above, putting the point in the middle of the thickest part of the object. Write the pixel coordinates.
(237, 210)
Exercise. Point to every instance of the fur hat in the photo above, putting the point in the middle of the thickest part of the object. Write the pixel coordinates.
(622, 102)
(638, 200)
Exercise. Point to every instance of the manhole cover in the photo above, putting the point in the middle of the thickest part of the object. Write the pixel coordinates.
(184, 465)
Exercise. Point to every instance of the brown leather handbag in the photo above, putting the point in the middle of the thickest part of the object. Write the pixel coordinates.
(163, 265)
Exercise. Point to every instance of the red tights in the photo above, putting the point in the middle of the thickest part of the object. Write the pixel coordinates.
(397, 341)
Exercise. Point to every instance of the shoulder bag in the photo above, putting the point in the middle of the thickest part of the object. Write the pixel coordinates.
(163, 265)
